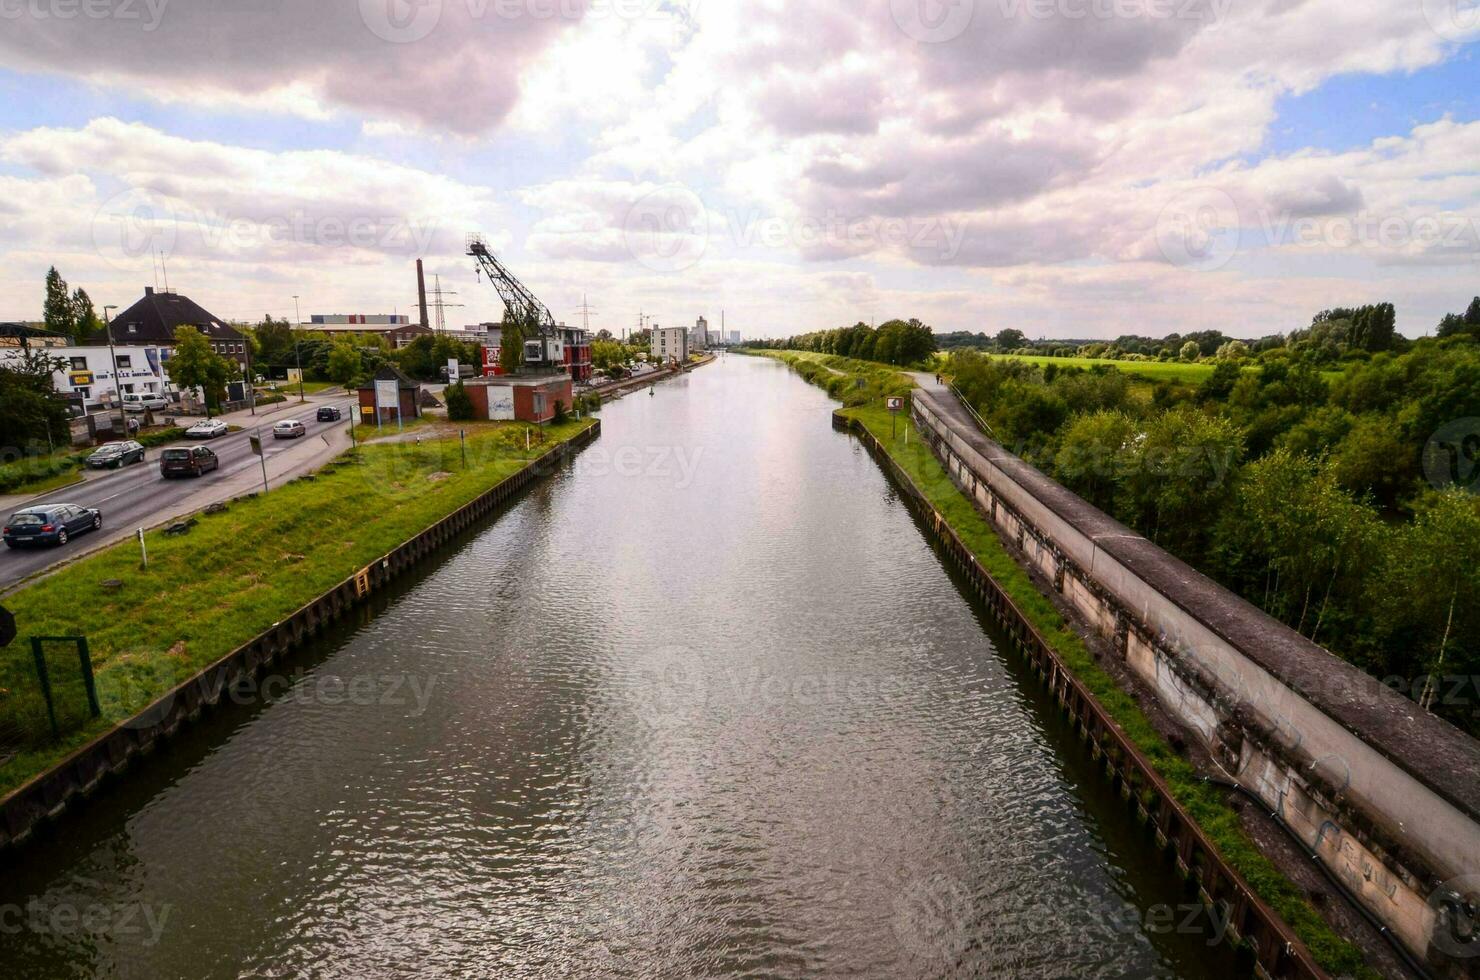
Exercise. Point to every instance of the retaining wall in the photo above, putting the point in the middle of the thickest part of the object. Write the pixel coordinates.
(1384, 794)
(81, 774)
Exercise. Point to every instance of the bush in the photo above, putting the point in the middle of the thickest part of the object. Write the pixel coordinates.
(560, 415)
(460, 404)
(14, 476)
(151, 439)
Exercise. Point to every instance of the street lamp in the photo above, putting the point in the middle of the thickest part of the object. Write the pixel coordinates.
(297, 350)
(113, 354)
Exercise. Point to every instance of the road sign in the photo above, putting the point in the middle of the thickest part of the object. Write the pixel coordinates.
(895, 404)
(256, 442)
(7, 627)
(454, 371)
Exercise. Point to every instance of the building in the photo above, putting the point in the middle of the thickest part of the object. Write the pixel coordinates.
(397, 330)
(523, 399)
(699, 336)
(734, 338)
(153, 320)
(22, 335)
(669, 344)
(568, 349)
(86, 375)
(577, 353)
(407, 405)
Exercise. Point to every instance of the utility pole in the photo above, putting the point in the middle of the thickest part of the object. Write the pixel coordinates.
(297, 346)
(117, 385)
(251, 386)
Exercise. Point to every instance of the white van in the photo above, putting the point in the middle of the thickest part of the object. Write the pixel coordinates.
(140, 402)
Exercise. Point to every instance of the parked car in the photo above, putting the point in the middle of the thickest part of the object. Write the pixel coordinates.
(328, 413)
(187, 461)
(51, 524)
(209, 429)
(289, 429)
(145, 401)
(114, 455)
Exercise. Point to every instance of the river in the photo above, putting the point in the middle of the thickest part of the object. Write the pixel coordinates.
(705, 703)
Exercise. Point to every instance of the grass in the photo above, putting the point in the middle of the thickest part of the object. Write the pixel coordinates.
(291, 387)
(234, 575)
(1203, 802)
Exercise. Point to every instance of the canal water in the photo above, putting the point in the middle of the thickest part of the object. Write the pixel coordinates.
(705, 703)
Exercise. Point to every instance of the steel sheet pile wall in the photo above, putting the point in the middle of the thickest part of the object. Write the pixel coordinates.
(1386, 795)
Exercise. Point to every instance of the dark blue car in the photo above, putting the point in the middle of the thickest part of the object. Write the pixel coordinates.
(50, 524)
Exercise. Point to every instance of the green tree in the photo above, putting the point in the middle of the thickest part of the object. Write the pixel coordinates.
(1009, 340)
(459, 403)
(1092, 454)
(84, 317)
(273, 343)
(1179, 474)
(195, 365)
(511, 351)
(1189, 351)
(1374, 459)
(345, 363)
(58, 311)
(30, 411)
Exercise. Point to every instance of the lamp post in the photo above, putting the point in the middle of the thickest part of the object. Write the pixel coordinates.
(113, 355)
(297, 350)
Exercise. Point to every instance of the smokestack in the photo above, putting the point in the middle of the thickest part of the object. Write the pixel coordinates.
(421, 295)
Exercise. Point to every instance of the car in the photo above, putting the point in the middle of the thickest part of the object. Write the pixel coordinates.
(289, 429)
(146, 401)
(53, 524)
(187, 461)
(114, 455)
(207, 429)
(329, 413)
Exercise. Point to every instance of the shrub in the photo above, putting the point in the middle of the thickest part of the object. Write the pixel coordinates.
(560, 416)
(460, 404)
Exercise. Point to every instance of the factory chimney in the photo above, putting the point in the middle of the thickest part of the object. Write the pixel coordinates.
(421, 295)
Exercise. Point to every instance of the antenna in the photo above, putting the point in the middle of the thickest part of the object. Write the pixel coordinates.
(165, 269)
(154, 264)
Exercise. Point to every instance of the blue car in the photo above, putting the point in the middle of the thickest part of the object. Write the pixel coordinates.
(50, 524)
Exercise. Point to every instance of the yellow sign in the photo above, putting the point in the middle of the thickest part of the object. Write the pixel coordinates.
(79, 378)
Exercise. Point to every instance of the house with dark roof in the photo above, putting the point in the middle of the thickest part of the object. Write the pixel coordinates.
(153, 319)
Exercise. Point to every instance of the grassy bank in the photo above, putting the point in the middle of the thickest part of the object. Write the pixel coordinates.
(1203, 802)
(235, 574)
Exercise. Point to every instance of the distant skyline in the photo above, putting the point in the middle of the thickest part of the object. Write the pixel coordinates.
(1069, 168)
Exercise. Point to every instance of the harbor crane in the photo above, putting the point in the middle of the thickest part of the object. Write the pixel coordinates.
(542, 338)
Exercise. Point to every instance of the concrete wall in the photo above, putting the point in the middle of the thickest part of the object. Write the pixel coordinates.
(1383, 793)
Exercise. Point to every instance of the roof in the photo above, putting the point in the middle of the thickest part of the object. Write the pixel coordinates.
(389, 372)
(154, 318)
(366, 328)
(22, 331)
(1434, 752)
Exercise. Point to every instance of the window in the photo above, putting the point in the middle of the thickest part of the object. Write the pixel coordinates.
(79, 363)
(125, 362)
(133, 328)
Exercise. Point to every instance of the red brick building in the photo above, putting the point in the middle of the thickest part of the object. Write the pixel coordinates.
(522, 399)
(408, 392)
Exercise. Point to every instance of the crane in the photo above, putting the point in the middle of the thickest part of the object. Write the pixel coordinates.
(532, 316)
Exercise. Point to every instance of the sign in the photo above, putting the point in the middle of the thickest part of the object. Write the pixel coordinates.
(80, 379)
(895, 404)
(256, 442)
(387, 394)
(7, 627)
(454, 371)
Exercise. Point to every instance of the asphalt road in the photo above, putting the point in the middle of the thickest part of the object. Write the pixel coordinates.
(137, 496)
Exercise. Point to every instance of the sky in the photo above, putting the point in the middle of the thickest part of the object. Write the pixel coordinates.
(1069, 168)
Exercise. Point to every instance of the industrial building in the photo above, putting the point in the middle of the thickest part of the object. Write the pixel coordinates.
(531, 399)
(699, 336)
(397, 330)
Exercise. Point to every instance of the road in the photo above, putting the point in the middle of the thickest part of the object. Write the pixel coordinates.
(138, 496)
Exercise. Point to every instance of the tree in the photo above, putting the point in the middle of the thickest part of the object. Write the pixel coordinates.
(195, 365)
(273, 342)
(58, 311)
(30, 411)
(1189, 351)
(1092, 454)
(345, 363)
(1009, 340)
(511, 353)
(459, 403)
(84, 318)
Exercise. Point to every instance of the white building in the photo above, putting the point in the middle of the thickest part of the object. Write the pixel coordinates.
(670, 343)
(734, 338)
(86, 376)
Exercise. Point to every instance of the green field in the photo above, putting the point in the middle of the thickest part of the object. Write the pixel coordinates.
(235, 574)
(1154, 370)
